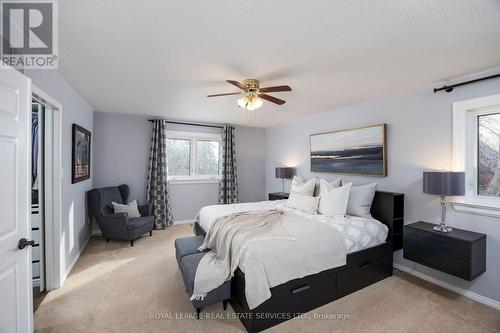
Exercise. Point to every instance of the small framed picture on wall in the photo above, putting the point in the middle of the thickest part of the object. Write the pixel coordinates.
(80, 165)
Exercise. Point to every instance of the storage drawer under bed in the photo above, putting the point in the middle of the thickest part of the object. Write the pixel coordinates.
(302, 295)
(364, 268)
(355, 277)
(288, 300)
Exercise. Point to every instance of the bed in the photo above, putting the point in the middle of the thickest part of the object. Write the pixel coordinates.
(364, 266)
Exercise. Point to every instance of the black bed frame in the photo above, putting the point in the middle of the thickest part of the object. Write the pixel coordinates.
(298, 296)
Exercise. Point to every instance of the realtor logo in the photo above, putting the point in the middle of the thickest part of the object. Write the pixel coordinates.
(29, 34)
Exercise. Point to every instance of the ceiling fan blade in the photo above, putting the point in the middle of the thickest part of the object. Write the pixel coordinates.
(275, 89)
(237, 84)
(272, 99)
(236, 93)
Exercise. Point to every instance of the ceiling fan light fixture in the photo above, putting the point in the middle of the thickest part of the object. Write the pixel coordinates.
(257, 103)
(250, 102)
(251, 107)
(242, 102)
(254, 95)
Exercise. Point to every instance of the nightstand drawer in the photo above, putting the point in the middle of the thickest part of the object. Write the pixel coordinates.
(445, 252)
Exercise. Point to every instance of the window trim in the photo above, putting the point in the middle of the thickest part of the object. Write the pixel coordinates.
(193, 178)
(465, 154)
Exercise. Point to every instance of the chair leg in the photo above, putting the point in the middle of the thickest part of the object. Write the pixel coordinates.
(224, 304)
(131, 243)
(151, 233)
(198, 310)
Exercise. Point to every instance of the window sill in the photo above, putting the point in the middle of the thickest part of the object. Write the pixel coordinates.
(193, 181)
(476, 209)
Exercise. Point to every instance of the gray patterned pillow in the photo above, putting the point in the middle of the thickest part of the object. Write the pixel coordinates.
(130, 208)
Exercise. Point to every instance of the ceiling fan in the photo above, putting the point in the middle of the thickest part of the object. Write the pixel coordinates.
(254, 94)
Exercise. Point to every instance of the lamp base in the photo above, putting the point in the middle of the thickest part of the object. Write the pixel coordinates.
(442, 228)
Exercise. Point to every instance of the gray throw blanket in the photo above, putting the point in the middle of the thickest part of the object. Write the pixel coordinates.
(227, 240)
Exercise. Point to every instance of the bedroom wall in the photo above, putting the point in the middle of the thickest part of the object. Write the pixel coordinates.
(75, 230)
(122, 153)
(419, 138)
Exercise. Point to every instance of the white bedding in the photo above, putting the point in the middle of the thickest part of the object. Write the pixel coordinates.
(312, 251)
(359, 233)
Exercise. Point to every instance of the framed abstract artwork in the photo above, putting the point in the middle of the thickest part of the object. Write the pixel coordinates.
(358, 151)
(80, 152)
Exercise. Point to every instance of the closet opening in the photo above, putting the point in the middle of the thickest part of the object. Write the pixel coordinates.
(37, 202)
(46, 175)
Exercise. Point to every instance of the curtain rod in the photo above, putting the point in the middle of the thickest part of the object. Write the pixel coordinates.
(450, 87)
(190, 124)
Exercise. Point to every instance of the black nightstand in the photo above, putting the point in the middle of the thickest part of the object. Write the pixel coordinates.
(460, 252)
(278, 196)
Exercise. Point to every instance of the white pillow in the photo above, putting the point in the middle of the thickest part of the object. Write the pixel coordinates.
(303, 202)
(303, 186)
(360, 200)
(130, 208)
(333, 200)
(332, 184)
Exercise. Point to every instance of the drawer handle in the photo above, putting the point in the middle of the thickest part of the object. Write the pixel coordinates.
(365, 265)
(300, 289)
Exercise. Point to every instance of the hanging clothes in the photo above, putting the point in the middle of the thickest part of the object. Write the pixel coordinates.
(34, 152)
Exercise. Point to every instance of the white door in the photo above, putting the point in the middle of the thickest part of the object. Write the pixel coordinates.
(16, 303)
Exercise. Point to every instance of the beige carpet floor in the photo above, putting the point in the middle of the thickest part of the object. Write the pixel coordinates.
(118, 288)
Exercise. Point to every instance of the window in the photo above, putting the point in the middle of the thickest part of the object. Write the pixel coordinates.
(488, 152)
(193, 157)
(178, 157)
(476, 150)
(208, 157)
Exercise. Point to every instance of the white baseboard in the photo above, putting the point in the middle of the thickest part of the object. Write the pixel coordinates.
(472, 295)
(183, 222)
(73, 263)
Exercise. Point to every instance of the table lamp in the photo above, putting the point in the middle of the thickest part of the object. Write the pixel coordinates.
(284, 173)
(444, 183)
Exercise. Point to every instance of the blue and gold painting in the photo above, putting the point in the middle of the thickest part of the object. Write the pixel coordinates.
(360, 151)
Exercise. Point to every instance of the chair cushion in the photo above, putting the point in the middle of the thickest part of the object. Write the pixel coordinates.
(189, 264)
(129, 208)
(140, 222)
(186, 246)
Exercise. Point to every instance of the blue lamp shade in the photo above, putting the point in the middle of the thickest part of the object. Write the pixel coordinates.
(284, 172)
(444, 183)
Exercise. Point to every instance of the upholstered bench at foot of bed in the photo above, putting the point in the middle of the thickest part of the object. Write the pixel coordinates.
(188, 266)
(186, 246)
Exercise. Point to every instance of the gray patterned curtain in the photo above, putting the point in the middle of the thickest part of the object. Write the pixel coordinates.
(157, 191)
(228, 190)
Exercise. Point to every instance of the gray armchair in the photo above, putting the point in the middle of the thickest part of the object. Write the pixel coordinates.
(118, 226)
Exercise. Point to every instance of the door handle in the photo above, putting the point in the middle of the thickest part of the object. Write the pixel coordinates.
(23, 242)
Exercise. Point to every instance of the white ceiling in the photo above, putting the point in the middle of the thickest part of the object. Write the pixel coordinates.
(163, 57)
